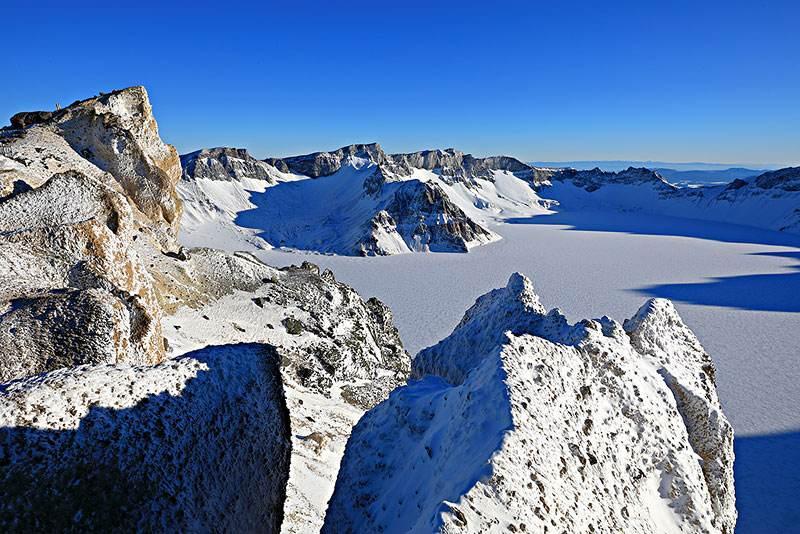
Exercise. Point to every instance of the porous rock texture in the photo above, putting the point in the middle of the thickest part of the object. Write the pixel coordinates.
(199, 443)
(74, 290)
(339, 356)
(521, 422)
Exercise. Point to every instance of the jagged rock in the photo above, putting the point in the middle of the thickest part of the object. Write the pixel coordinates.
(530, 423)
(344, 358)
(454, 166)
(198, 443)
(787, 179)
(739, 202)
(116, 133)
(592, 180)
(326, 163)
(95, 275)
(224, 164)
(425, 219)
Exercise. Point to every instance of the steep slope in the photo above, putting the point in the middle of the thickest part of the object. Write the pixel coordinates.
(358, 200)
(522, 422)
(97, 282)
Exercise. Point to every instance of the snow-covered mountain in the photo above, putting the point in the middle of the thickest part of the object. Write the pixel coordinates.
(357, 200)
(521, 422)
(770, 200)
(119, 409)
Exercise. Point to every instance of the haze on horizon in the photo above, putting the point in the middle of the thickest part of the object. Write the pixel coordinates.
(717, 82)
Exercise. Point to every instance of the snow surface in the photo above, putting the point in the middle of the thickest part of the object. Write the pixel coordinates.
(736, 287)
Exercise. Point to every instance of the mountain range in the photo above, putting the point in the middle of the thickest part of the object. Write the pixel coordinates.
(358, 200)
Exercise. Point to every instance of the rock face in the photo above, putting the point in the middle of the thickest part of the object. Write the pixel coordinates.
(522, 422)
(75, 291)
(117, 132)
(356, 200)
(224, 164)
(81, 185)
(326, 163)
(198, 443)
(425, 218)
(339, 356)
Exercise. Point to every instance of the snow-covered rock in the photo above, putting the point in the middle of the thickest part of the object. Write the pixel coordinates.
(73, 291)
(198, 443)
(224, 164)
(339, 355)
(522, 422)
(96, 277)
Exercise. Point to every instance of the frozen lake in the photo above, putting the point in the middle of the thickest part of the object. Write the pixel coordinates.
(738, 288)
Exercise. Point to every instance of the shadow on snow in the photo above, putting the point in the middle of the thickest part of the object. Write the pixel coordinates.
(777, 292)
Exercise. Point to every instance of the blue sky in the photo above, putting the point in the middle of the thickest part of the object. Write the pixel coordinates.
(670, 81)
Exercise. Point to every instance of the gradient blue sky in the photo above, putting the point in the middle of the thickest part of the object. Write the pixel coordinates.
(672, 81)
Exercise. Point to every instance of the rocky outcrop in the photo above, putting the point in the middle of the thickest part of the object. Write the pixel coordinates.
(425, 219)
(224, 164)
(451, 164)
(326, 163)
(339, 355)
(75, 292)
(118, 133)
(455, 166)
(98, 283)
(787, 179)
(523, 422)
(198, 443)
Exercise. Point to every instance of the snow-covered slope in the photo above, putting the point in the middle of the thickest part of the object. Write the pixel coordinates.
(522, 422)
(770, 200)
(355, 201)
(358, 200)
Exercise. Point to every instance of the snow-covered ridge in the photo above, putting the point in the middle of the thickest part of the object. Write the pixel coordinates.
(522, 422)
(770, 200)
(359, 200)
(356, 200)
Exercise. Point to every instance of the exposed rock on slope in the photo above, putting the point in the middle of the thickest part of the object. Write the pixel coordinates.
(224, 164)
(339, 356)
(75, 291)
(770, 200)
(326, 163)
(531, 424)
(594, 179)
(198, 443)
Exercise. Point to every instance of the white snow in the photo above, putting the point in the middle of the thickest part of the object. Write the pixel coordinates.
(594, 272)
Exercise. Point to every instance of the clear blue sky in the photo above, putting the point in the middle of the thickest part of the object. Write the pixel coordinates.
(670, 81)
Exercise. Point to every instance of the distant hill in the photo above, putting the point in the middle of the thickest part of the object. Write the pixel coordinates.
(620, 165)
